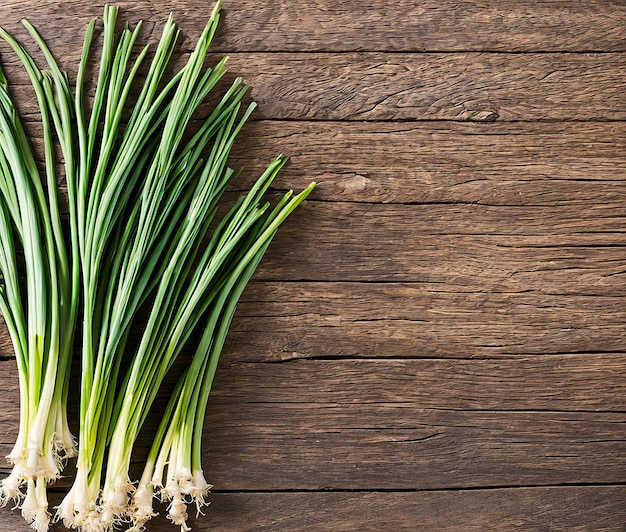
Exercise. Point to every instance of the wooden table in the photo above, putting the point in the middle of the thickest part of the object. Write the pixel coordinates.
(437, 339)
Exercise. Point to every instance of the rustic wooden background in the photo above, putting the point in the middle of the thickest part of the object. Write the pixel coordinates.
(437, 339)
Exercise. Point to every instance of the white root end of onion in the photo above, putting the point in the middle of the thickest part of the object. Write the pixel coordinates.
(65, 510)
(141, 508)
(34, 463)
(115, 504)
(179, 482)
(87, 520)
(200, 490)
(18, 453)
(177, 513)
(35, 506)
(184, 488)
(157, 480)
(77, 509)
(93, 523)
(10, 488)
(64, 446)
(64, 442)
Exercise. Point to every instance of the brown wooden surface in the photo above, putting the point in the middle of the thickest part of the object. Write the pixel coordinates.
(364, 25)
(481, 87)
(437, 339)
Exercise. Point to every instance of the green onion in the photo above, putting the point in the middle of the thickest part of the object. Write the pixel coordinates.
(147, 255)
(41, 315)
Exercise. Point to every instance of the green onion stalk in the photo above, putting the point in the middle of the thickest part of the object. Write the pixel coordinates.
(191, 296)
(40, 313)
(112, 163)
(177, 443)
(150, 258)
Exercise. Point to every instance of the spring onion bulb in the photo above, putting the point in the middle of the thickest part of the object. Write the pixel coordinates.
(149, 264)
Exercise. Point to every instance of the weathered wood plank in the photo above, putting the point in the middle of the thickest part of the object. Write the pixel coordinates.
(385, 424)
(521, 163)
(518, 163)
(453, 294)
(567, 249)
(279, 321)
(282, 446)
(557, 250)
(285, 320)
(578, 383)
(410, 424)
(465, 86)
(565, 508)
(433, 86)
(364, 25)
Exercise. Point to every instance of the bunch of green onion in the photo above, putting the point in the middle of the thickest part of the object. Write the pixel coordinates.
(144, 262)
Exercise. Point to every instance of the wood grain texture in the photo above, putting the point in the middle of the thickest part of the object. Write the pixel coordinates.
(522, 509)
(279, 321)
(482, 87)
(565, 508)
(283, 321)
(568, 248)
(523, 163)
(365, 25)
(465, 86)
(412, 424)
